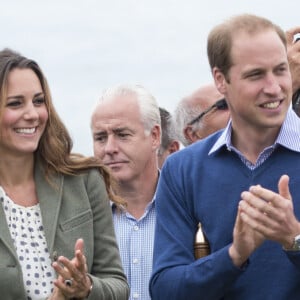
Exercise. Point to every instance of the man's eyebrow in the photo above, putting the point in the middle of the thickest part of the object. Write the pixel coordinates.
(283, 64)
(121, 129)
(100, 132)
(115, 130)
(253, 71)
(262, 70)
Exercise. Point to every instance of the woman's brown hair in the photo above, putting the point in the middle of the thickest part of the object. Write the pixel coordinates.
(55, 146)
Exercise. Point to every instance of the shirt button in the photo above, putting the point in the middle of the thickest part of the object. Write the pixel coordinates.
(136, 228)
(136, 295)
(135, 261)
(54, 255)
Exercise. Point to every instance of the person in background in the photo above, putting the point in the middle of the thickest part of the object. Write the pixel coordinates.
(293, 50)
(236, 181)
(169, 143)
(200, 114)
(126, 130)
(57, 239)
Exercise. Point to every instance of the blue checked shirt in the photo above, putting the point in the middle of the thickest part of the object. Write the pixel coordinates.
(287, 137)
(135, 239)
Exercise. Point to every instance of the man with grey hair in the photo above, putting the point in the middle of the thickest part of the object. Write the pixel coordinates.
(169, 143)
(200, 114)
(126, 136)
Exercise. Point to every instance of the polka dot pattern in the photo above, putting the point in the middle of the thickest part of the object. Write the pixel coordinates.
(27, 232)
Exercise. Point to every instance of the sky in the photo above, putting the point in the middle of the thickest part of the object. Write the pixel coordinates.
(86, 46)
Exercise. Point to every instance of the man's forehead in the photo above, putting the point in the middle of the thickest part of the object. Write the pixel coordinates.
(258, 46)
(241, 37)
(113, 124)
(115, 109)
(205, 99)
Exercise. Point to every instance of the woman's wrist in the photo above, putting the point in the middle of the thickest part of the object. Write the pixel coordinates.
(91, 284)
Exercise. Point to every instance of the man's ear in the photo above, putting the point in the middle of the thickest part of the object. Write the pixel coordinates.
(173, 146)
(220, 80)
(156, 135)
(190, 134)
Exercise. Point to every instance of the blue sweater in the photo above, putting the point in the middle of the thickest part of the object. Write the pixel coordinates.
(196, 187)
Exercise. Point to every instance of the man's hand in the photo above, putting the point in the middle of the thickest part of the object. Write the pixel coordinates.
(245, 240)
(271, 214)
(293, 52)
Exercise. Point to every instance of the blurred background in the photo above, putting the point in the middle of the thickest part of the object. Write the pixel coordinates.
(86, 46)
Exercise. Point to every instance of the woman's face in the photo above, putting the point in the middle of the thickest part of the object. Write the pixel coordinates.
(24, 115)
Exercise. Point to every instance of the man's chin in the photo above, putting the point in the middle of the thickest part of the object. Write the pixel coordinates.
(117, 173)
(121, 177)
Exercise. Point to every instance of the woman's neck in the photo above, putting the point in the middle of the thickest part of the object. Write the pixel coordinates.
(16, 171)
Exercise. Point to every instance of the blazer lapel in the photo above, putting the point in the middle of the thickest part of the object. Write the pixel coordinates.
(50, 196)
(5, 233)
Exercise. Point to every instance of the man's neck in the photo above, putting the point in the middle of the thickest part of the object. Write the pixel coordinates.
(138, 194)
(251, 143)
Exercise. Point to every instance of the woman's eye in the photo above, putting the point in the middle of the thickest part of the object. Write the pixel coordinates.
(39, 101)
(13, 103)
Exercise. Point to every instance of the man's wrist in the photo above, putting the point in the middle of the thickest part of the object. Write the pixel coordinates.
(295, 245)
(237, 259)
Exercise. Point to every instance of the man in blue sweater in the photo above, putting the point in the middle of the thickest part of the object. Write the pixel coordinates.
(241, 183)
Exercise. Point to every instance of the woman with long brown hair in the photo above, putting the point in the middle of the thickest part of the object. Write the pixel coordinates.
(57, 239)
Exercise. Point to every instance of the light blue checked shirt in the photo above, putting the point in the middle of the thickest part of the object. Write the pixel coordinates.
(135, 239)
(287, 137)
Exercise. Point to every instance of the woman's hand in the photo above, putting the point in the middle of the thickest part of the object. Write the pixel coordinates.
(57, 295)
(73, 281)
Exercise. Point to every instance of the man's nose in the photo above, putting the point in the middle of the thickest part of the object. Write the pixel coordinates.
(272, 85)
(111, 145)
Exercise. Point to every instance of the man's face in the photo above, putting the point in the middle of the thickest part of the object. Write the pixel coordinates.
(120, 141)
(260, 88)
(216, 119)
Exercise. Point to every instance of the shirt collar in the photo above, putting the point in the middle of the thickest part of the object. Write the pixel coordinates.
(288, 137)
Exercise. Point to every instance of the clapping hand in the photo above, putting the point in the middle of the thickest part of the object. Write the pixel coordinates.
(73, 281)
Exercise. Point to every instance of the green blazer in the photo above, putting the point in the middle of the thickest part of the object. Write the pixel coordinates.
(74, 207)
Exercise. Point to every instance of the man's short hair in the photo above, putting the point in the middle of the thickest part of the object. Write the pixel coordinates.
(220, 38)
(168, 133)
(147, 103)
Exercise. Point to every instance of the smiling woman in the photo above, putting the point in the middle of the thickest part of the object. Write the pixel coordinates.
(25, 115)
(64, 196)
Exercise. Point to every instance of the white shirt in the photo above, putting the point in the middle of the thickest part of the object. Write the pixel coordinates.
(27, 232)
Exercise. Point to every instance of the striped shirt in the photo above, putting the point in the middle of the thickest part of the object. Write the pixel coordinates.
(135, 239)
(288, 137)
